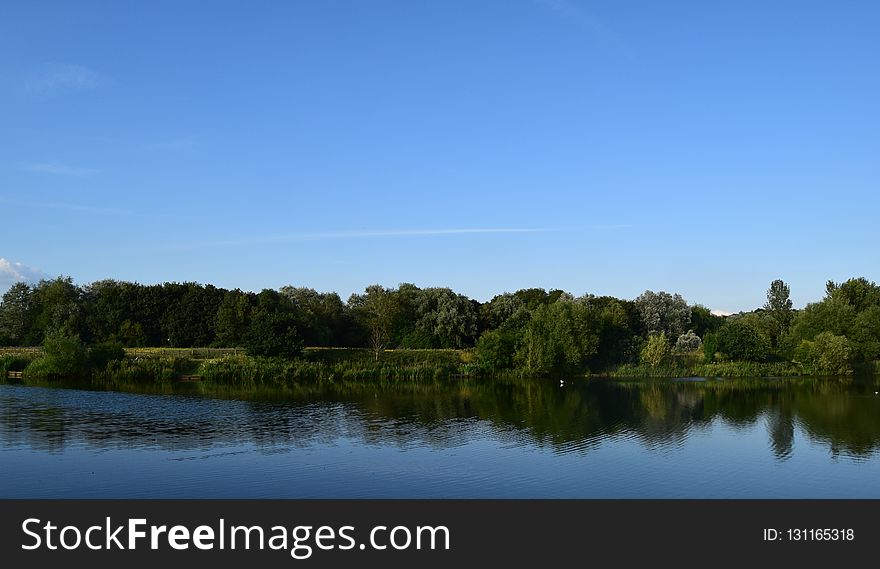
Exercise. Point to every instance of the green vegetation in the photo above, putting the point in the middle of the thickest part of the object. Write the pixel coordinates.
(118, 331)
(656, 350)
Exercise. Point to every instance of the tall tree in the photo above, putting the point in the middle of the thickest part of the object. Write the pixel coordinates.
(779, 308)
(272, 329)
(663, 312)
(17, 314)
(57, 309)
(377, 310)
(233, 318)
(446, 319)
(558, 337)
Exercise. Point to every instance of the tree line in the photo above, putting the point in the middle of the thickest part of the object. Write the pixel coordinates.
(532, 330)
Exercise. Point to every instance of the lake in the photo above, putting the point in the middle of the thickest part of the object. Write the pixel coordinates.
(694, 438)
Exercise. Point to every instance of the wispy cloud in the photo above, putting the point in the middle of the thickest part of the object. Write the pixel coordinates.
(181, 143)
(576, 14)
(368, 234)
(56, 168)
(57, 78)
(13, 272)
(67, 206)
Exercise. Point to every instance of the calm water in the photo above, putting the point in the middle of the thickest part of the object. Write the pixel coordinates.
(691, 438)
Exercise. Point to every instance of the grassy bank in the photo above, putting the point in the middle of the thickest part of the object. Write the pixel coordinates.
(233, 368)
(718, 369)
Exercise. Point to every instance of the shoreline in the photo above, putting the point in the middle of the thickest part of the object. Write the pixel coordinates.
(231, 368)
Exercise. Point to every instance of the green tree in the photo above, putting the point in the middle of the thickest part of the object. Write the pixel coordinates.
(663, 312)
(779, 308)
(827, 353)
(710, 347)
(532, 298)
(17, 314)
(558, 338)
(321, 315)
(377, 310)
(495, 350)
(64, 354)
(447, 318)
(495, 313)
(102, 353)
(742, 339)
(860, 293)
(688, 342)
(272, 329)
(191, 314)
(131, 334)
(833, 314)
(233, 319)
(57, 311)
(656, 350)
(865, 334)
(619, 322)
(703, 321)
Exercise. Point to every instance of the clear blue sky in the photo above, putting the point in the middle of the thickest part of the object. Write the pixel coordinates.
(609, 147)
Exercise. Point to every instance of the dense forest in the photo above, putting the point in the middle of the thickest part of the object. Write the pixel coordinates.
(530, 331)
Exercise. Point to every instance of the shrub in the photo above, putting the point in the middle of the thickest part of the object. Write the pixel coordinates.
(495, 349)
(105, 352)
(688, 342)
(827, 353)
(272, 334)
(656, 350)
(710, 347)
(63, 354)
(742, 340)
(13, 362)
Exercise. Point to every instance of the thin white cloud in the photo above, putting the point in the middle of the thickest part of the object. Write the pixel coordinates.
(13, 272)
(181, 143)
(387, 233)
(55, 78)
(588, 22)
(56, 168)
(67, 206)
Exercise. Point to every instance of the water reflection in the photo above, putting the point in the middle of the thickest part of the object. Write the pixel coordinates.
(842, 415)
(528, 439)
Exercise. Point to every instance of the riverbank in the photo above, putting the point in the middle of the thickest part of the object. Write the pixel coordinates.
(232, 367)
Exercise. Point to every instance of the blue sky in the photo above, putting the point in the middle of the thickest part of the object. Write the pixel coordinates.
(704, 148)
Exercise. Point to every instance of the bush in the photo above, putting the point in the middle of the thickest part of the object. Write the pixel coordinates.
(656, 350)
(102, 354)
(273, 334)
(688, 342)
(827, 353)
(63, 354)
(710, 347)
(741, 340)
(559, 338)
(14, 362)
(495, 349)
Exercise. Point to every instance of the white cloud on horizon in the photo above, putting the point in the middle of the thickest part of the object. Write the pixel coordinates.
(718, 312)
(13, 272)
